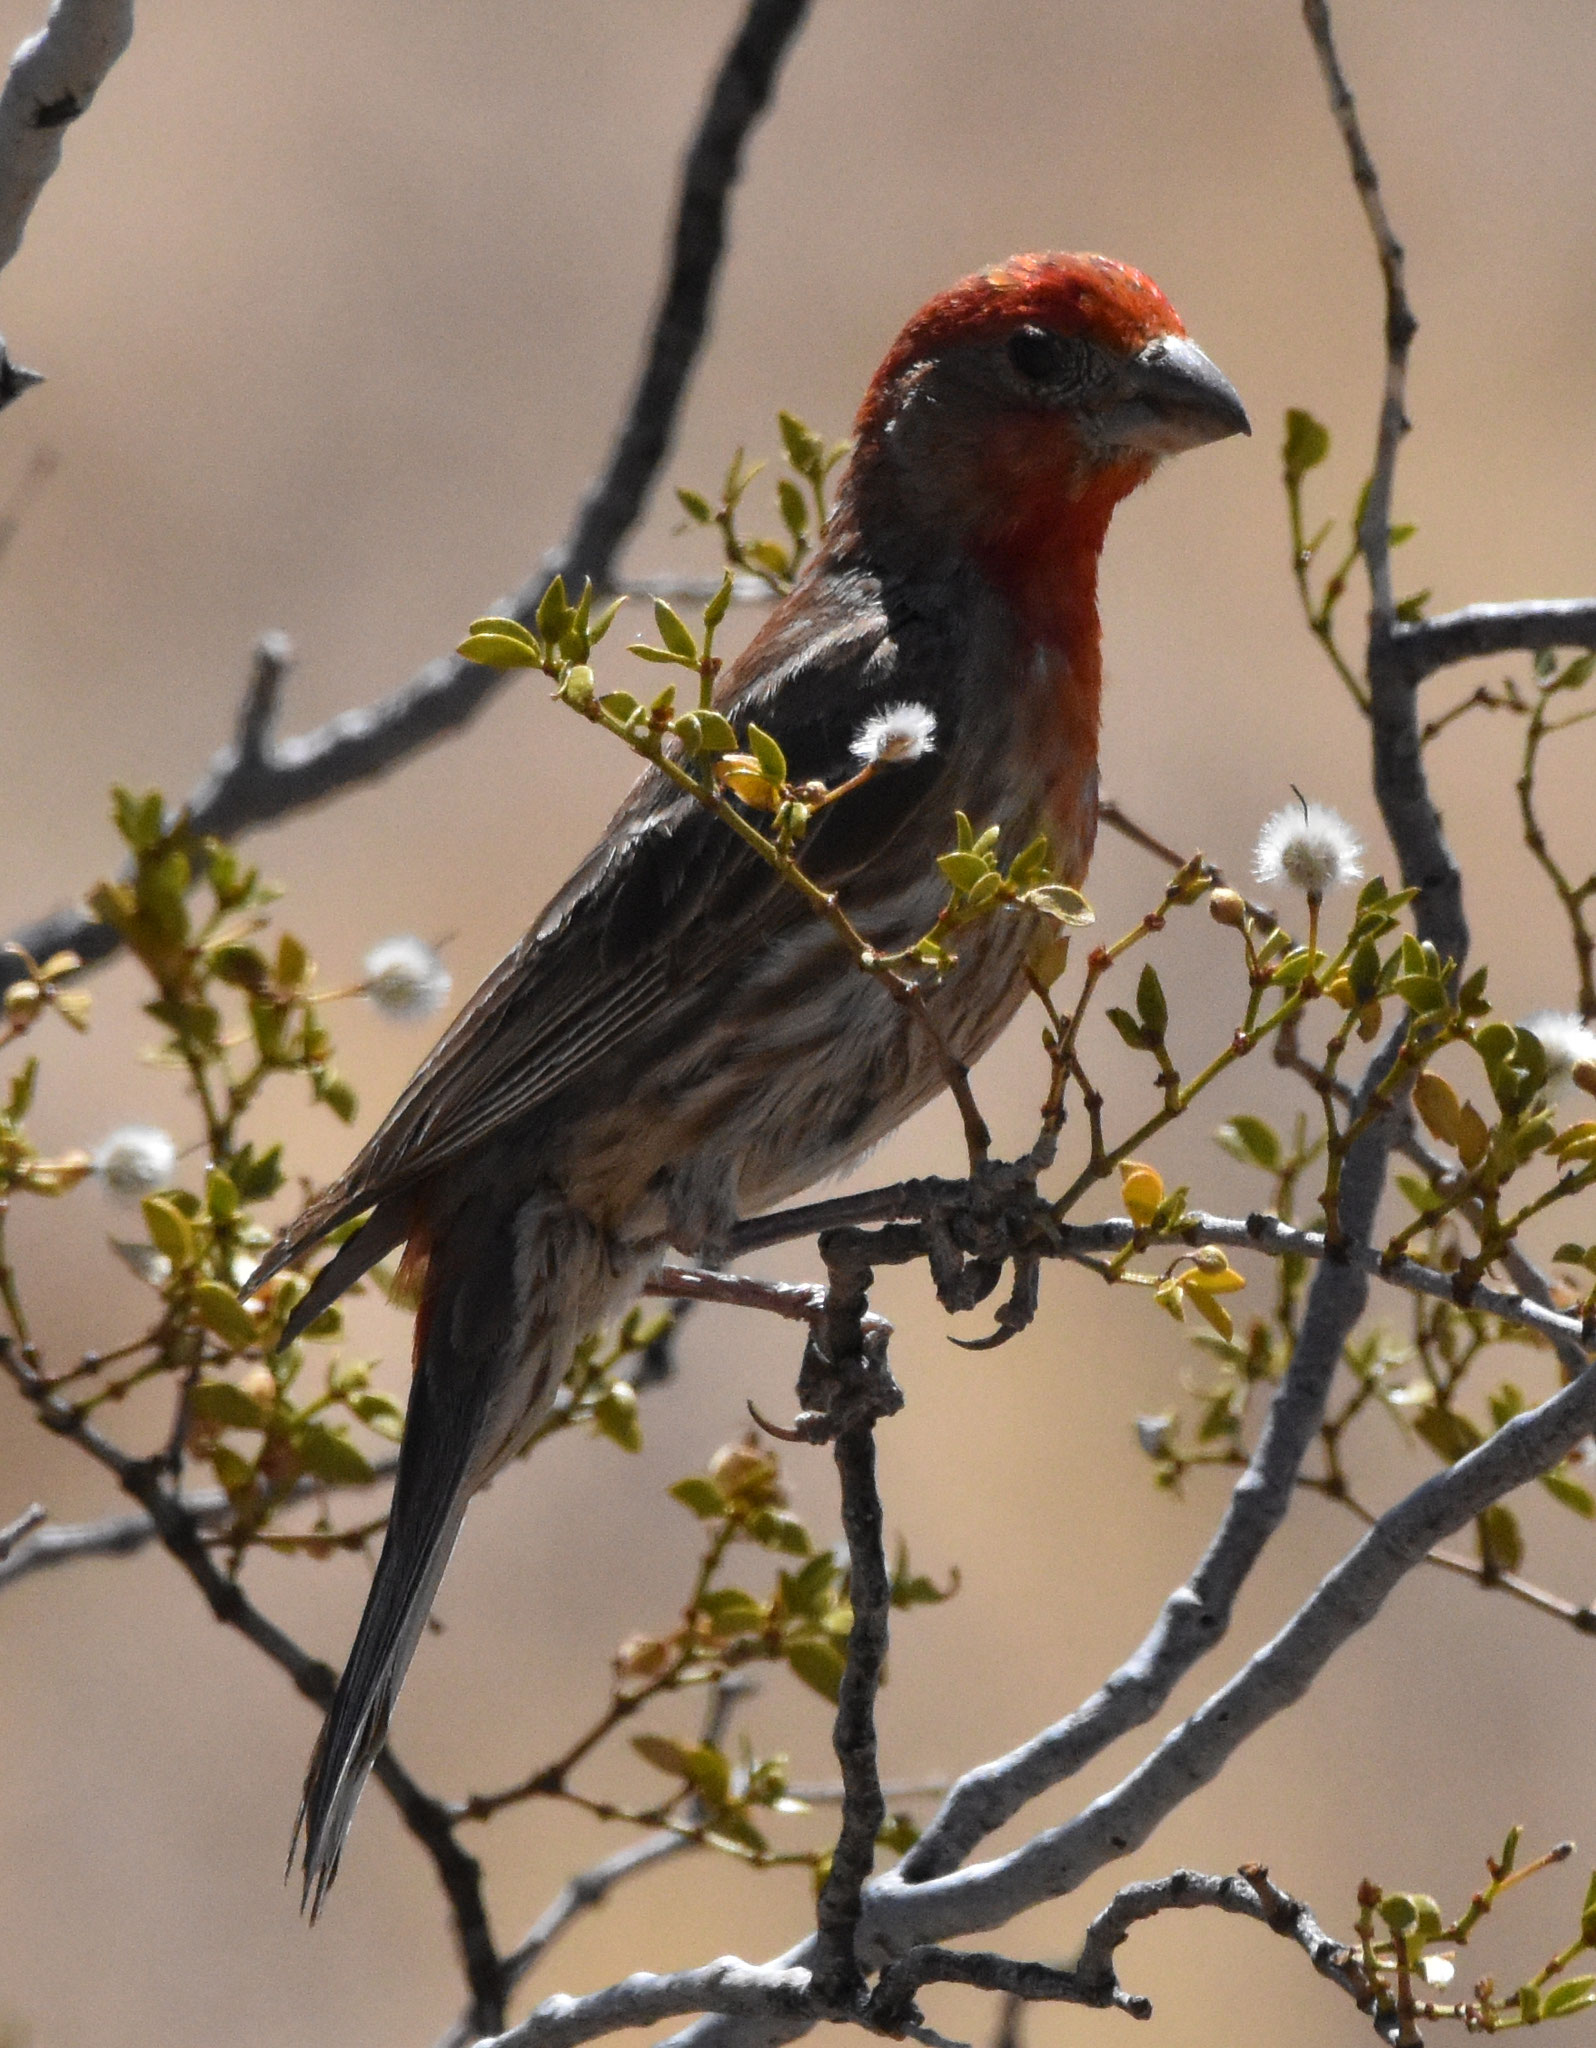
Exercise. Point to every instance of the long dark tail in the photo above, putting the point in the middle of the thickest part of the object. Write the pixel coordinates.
(429, 1503)
(510, 1288)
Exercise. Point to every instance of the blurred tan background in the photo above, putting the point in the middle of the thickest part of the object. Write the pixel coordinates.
(337, 307)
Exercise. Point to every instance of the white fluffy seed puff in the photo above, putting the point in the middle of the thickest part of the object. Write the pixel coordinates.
(135, 1161)
(1568, 1042)
(1310, 846)
(901, 732)
(406, 979)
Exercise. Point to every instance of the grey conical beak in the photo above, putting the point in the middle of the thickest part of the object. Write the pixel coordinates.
(1173, 398)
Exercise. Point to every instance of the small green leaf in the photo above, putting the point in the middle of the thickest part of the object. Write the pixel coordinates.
(602, 624)
(809, 1591)
(673, 633)
(615, 1416)
(229, 1407)
(1423, 993)
(293, 962)
(708, 1772)
(1398, 1911)
(1573, 1996)
(1251, 1140)
(330, 1087)
(1419, 1192)
(732, 1611)
(1429, 1916)
(139, 819)
(169, 1230)
(772, 761)
(731, 1824)
(507, 629)
(962, 870)
(330, 1455)
(1450, 1435)
(379, 1412)
(1129, 1029)
(497, 650)
(19, 1097)
(803, 446)
(1570, 1493)
(257, 1179)
(776, 1531)
(718, 605)
(1306, 445)
(233, 1473)
(239, 966)
(224, 1315)
(718, 734)
(554, 611)
(578, 688)
(794, 509)
(663, 1753)
(1057, 900)
(1501, 1540)
(696, 507)
(701, 1496)
(1151, 1005)
(819, 1664)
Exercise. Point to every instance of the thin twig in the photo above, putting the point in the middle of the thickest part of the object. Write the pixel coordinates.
(125, 1535)
(1374, 529)
(797, 1301)
(1114, 815)
(1252, 1893)
(13, 1532)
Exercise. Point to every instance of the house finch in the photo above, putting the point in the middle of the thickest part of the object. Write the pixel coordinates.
(679, 1040)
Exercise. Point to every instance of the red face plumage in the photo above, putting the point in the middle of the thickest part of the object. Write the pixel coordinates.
(1071, 294)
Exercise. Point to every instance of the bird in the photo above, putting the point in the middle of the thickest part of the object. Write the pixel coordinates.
(679, 1041)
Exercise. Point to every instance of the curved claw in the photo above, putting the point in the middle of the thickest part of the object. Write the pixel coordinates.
(776, 1429)
(991, 1341)
(1017, 1312)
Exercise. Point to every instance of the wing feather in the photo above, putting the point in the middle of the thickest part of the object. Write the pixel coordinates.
(621, 954)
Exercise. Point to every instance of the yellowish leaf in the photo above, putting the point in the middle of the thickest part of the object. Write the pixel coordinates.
(1473, 1136)
(1436, 1101)
(1142, 1188)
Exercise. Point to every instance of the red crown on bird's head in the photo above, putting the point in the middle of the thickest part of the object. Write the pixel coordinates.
(1070, 293)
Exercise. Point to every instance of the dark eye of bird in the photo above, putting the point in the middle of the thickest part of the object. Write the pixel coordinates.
(1042, 357)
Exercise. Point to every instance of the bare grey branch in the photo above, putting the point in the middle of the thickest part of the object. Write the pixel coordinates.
(53, 77)
(589, 1888)
(1059, 1860)
(727, 1985)
(1425, 645)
